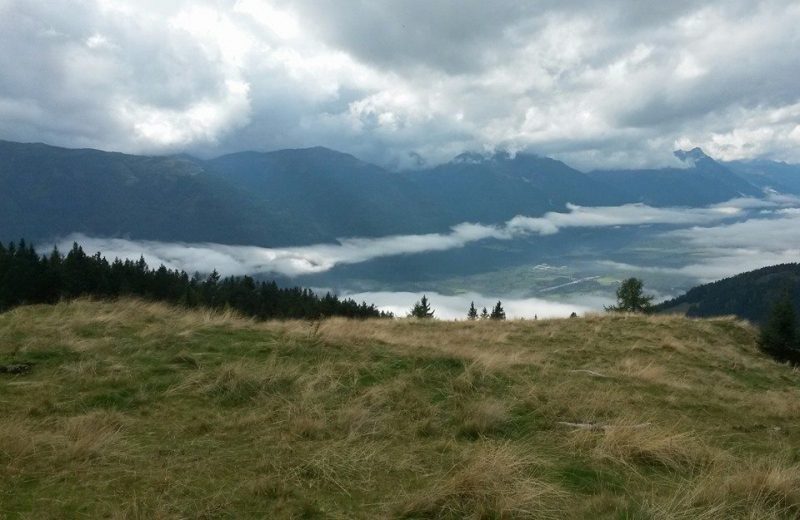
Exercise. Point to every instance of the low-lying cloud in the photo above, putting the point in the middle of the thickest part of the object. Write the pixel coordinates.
(728, 249)
(454, 307)
(296, 261)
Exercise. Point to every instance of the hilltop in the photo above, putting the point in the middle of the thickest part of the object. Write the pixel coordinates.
(140, 410)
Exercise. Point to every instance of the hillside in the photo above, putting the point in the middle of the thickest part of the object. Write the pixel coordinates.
(137, 410)
(749, 295)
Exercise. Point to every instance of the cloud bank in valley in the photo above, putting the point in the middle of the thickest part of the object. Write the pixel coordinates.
(728, 249)
(613, 83)
(454, 307)
(295, 261)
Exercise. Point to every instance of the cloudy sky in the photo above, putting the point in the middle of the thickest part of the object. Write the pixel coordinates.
(594, 83)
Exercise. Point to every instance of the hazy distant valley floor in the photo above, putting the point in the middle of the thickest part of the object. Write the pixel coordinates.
(574, 264)
(138, 410)
(544, 276)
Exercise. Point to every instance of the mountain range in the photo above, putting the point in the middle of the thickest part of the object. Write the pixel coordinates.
(303, 196)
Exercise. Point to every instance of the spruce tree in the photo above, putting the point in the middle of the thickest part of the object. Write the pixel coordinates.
(472, 314)
(484, 314)
(27, 278)
(422, 309)
(630, 297)
(498, 313)
(779, 335)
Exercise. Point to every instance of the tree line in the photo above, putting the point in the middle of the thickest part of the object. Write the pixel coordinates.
(29, 278)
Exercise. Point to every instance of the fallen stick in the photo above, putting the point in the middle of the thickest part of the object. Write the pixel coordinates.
(590, 372)
(600, 427)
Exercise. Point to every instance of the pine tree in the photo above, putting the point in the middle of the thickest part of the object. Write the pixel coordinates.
(498, 313)
(472, 314)
(484, 314)
(779, 335)
(422, 309)
(27, 278)
(630, 297)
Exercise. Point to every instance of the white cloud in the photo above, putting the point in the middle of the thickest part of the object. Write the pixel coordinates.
(616, 83)
(202, 121)
(725, 250)
(294, 261)
(454, 307)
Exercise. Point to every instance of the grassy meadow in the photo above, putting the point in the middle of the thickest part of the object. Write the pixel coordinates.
(140, 410)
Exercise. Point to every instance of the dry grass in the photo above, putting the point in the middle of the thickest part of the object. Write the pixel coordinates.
(494, 482)
(140, 410)
(756, 489)
(484, 417)
(640, 443)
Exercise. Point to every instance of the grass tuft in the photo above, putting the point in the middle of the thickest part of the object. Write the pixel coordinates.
(495, 481)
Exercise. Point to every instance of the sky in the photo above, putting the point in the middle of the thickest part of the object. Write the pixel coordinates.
(597, 84)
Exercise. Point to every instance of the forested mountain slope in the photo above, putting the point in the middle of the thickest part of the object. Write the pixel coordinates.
(748, 295)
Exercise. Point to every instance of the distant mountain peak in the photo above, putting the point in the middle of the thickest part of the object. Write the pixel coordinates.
(691, 156)
(470, 158)
(481, 158)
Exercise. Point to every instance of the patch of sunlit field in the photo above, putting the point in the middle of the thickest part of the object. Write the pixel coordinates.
(141, 410)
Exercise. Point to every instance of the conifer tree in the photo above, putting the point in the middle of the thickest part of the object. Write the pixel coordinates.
(630, 297)
(498, 313)
(779, 335)
(422, 309)
(484, 314)
(472, 314)
(27, 278)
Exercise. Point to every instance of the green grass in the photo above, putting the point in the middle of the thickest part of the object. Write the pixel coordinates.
(138, 410)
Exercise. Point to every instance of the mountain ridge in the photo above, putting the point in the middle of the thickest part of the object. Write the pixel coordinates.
(310, 195)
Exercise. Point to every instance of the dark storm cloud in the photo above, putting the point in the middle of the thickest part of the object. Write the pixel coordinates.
(460, 37)
(612, 83)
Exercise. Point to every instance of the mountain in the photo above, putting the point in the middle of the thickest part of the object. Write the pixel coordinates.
(703, 182)
(748, 295)
(348, 196)
(328, 194)
(498, 187)
(778, 176)
(287, 197)
(284, 198)
(47, 192)
(312, 195)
